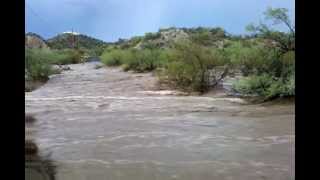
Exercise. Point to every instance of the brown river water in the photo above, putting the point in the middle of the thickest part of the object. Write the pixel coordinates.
(105, 124)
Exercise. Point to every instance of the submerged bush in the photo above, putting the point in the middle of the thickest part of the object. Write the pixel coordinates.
(257, 85)
(266, 86)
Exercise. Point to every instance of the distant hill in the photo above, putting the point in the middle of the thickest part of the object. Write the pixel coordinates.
(33, 40)
(162, 39)
(165, 37)
(68, 40)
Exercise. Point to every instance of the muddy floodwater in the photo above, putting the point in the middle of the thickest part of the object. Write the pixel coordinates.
(105, 124)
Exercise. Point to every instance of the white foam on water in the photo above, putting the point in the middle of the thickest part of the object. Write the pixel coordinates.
(154, 134)
(234, 100)
(137, 146)
(71, 119)
(85, 161)
(245, 138)
(163, 92)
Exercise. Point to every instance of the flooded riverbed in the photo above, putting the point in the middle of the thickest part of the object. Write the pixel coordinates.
(108, 124)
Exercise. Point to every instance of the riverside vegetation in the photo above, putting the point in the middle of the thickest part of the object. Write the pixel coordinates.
(39, 64)
(195, 59)
(41, 55)
(266, 57)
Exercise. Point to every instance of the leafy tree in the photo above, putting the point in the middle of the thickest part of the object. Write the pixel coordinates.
(284, 41)
(278, 16)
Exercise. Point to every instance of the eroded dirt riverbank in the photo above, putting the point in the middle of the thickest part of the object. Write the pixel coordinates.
(108, 124)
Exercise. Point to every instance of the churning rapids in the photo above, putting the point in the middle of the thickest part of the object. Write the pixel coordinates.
(106, 124)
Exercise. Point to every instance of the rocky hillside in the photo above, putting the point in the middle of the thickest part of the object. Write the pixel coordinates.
(161, 39)
(165, 37)
(33, 40)
(70, 40)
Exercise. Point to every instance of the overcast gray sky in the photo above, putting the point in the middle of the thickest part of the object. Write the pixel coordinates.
(112, 19)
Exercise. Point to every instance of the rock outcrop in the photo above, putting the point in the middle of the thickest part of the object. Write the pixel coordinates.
(33, 40)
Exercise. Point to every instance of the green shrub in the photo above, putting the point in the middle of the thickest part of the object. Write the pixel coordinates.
(114, 57)
(288, 64)
(207, 36)
(145, 60)
(290, 85)
(288, 58)
(135, 40)
(202, 38)
(152, 36)
(97, 51)
(37, 65)
(266, 86)
(270, 71)
(253, 58)
(68, 56)
(190, 66)
(132, 59)
(150, 45)
(60, 57)
(257, 85)
(38, 61)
